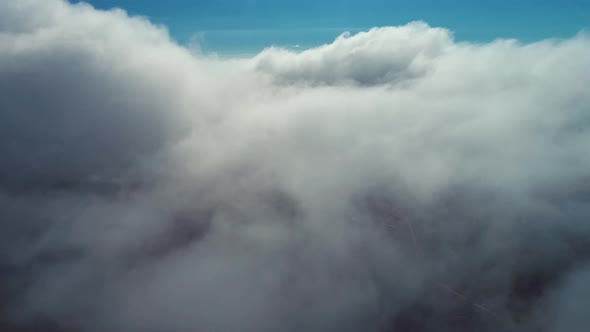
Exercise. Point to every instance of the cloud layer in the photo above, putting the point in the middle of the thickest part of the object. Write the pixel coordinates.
(393, 180)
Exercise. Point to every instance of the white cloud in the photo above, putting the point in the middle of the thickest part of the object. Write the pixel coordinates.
(342, 188)
(381, 55)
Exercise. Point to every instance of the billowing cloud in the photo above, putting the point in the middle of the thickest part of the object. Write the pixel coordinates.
(381, 55)
(394, 180)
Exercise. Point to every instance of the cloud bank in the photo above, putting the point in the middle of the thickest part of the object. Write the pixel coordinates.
(393, 180)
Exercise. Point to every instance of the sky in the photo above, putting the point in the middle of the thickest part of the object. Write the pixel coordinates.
(397, 178)
(247, 26)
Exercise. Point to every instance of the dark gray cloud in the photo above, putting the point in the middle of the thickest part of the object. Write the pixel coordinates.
(393, 180)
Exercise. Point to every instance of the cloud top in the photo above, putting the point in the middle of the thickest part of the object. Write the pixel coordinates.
(378, 56)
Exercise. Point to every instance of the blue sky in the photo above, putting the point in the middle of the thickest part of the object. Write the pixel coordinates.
(246, 26)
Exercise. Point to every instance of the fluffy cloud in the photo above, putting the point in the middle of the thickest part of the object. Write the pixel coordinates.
(381, 55)
(393, 180)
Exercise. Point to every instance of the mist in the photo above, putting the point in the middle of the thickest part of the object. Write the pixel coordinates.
(392, 180)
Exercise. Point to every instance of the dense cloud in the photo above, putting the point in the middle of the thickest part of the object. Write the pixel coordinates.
(381, 55)
(394, 180)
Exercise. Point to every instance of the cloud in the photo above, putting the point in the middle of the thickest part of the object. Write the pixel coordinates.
(381, 55)
(392, 180)
(565, 303)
